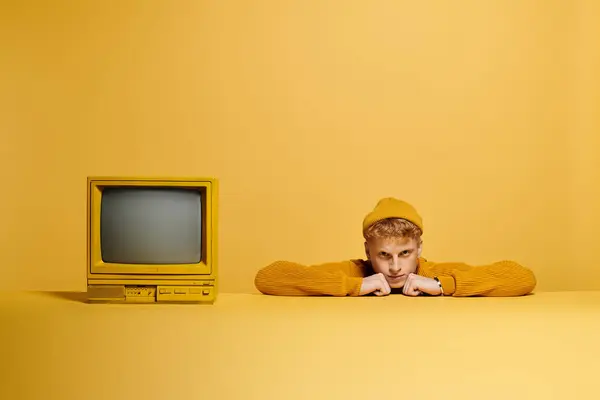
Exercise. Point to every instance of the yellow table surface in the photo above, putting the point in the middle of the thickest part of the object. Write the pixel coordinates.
(250, 346)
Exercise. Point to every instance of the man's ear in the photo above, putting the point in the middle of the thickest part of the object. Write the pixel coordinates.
(420, 248)
(367, 251)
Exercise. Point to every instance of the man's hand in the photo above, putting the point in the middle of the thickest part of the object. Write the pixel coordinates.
(375, 284)
(416, 284)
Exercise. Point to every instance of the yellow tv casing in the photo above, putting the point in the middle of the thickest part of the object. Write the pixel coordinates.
(165, 283)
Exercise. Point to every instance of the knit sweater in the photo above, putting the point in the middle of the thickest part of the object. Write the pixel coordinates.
(503, 278)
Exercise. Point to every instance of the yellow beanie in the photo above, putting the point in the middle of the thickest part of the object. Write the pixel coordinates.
(390, 207)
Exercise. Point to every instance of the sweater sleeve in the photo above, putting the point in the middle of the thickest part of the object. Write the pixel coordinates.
(503, 278)
(285, 278)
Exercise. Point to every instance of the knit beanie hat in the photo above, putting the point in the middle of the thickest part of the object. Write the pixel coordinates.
(390, 207)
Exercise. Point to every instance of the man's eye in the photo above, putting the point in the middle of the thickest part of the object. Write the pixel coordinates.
(405, 252)
(382, 254)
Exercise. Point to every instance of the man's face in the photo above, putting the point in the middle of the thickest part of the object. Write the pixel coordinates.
(395, 258)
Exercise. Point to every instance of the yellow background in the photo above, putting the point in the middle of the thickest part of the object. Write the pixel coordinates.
(483, 114)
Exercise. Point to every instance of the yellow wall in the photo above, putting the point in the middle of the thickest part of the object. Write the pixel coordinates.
(482, 114)
(583, 130)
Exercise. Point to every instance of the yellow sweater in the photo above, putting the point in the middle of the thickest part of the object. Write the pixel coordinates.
(284, 278)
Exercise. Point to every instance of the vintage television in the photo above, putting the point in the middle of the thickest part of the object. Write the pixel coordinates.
(152, 240)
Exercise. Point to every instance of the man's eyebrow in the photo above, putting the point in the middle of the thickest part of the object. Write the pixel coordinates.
(400, 251)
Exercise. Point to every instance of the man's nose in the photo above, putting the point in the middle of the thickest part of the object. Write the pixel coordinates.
(395, 266)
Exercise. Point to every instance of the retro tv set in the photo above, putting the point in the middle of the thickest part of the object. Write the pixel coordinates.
(152, 240)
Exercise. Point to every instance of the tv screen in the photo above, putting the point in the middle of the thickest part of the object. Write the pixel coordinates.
(145, 225)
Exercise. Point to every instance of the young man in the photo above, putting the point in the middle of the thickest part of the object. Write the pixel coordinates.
(393, 245)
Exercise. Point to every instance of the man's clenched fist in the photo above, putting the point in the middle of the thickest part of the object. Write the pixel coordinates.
(416, 284)
(375, 284)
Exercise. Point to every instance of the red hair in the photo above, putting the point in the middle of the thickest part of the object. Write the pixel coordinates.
(393, 228)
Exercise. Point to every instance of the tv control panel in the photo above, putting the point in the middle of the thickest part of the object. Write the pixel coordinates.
(202, 293)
